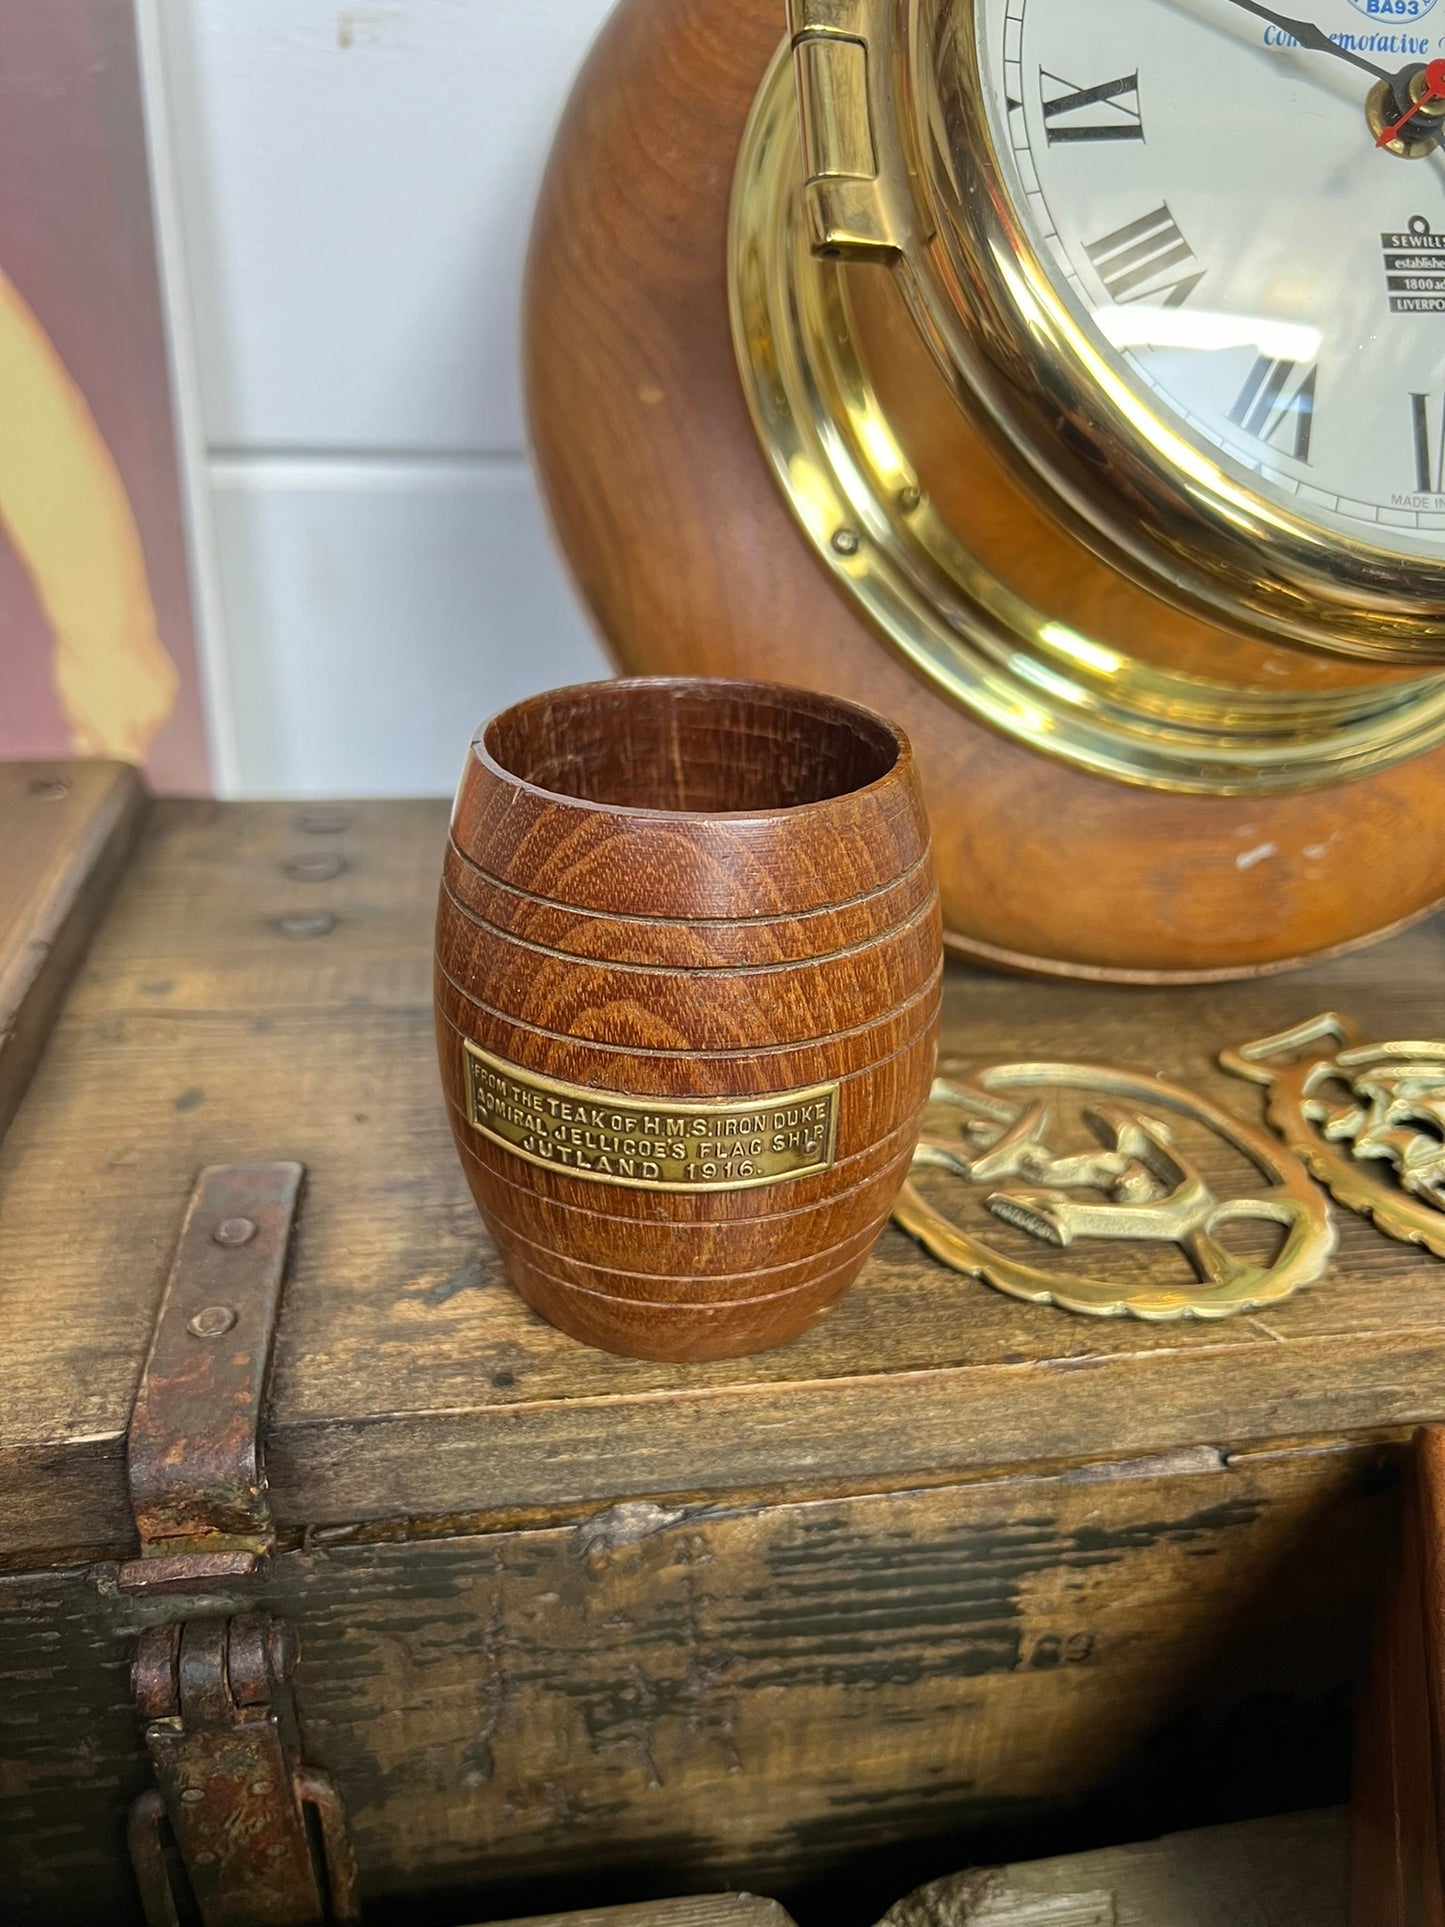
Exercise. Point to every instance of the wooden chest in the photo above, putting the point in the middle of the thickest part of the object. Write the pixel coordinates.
(952, 1578)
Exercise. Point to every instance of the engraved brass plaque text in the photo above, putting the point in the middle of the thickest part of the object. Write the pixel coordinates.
(651, 1143)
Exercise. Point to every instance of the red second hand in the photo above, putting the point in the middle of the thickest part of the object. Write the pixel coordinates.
(1434, 90)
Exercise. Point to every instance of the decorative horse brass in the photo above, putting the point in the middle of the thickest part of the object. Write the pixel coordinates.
(1367, 1119)
(1145, 1187)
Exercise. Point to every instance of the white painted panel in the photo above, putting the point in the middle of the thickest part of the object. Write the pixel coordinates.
(356, 188)
(376, 612)
(191, 447)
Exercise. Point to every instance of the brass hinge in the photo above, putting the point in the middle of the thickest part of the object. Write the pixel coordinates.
(234, 1805)
(836, 63)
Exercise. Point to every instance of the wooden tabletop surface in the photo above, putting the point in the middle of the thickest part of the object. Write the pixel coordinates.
(222, 1016)
(65, 832)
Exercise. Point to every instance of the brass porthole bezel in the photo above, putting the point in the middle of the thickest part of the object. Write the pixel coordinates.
(976, 639)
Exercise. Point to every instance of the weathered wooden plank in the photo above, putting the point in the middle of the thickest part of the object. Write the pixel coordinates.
(1397, 1871)
(660, 1698)
(720, 1910)
(1288, 1872)
(65, 831)
(410, 1380)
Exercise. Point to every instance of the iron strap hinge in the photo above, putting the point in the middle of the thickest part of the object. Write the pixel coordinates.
(193, 1450)
(260, 1837)
(231, 1787)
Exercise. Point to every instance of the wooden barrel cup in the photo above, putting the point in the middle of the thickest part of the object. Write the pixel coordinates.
(688, 975)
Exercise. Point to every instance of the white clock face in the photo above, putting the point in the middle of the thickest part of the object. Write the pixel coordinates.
(1208, 192)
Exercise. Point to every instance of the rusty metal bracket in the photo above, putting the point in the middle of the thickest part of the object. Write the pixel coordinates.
(193, 1451)
(240, 1807)
(259, 1838)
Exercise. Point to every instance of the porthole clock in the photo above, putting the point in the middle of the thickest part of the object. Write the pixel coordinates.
(1065, 378)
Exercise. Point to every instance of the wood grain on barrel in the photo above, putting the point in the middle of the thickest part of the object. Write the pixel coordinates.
(686, 554)
(691, 892)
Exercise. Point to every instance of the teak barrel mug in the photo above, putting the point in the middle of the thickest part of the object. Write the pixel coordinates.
(688, 975)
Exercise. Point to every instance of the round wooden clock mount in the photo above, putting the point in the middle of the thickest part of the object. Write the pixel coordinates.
(1066, 388)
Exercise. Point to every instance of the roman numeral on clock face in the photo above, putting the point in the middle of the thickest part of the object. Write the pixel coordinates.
(1429, 452)
(1277, 405)
(1138, 262)
(1108, 112)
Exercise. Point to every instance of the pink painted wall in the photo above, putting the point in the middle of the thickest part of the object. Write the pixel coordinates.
(97, 645)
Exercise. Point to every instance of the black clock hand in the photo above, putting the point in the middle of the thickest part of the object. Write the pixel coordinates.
(1313, 37)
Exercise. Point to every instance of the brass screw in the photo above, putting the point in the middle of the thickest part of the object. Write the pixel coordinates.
(234, 1231)
(846, 542)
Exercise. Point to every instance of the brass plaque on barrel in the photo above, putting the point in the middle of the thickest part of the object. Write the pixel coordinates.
(651, 1143)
